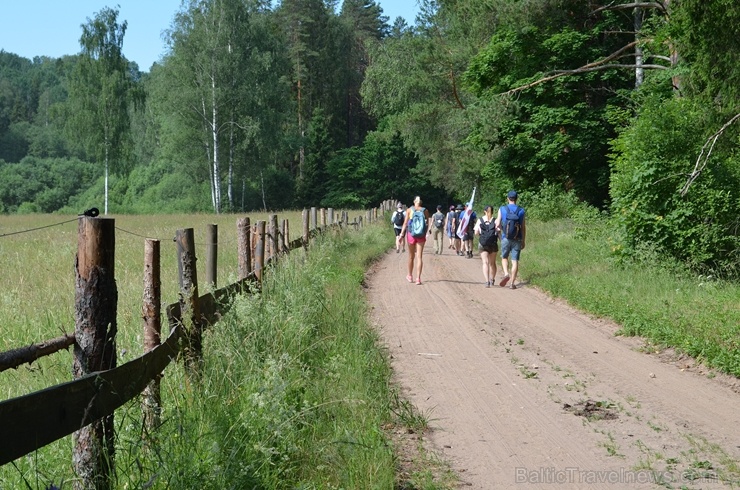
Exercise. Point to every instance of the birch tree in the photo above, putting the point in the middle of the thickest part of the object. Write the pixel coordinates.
(99, 90)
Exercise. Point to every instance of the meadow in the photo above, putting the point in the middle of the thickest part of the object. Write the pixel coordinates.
(295, 388)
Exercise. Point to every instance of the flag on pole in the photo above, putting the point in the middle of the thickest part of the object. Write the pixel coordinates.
(463, 227)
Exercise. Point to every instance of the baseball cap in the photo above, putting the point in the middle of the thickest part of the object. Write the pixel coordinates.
(512, 195)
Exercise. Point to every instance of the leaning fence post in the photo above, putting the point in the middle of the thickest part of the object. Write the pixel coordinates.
(151, 312)
(96, 303)
(259, 252)
(190, 312)
(211, 255)
(244, 247)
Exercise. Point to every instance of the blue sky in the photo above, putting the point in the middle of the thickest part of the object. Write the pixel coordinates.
(52, 27)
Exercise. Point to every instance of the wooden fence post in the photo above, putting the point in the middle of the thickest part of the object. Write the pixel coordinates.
(189, 308)
(331, 216)
(259, 252)
(274, 242)
(285, 245)
(322, 214)
(306, 228)
(243, 230)
(151, 400)
(96, 303)
(314, 221)
(211, 255)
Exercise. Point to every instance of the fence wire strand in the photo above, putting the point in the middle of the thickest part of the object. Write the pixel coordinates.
(36, 229)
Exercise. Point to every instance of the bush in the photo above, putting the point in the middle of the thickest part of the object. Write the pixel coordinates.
(654, 156)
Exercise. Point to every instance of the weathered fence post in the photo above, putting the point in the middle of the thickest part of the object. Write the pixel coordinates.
(285, 244)
(331, 216)
(314, 221)
(189, 309)
(306, 228)
(244, 245)
(322, 214)
(274, 242)
(96, 303)
(259, 252)
(151, 313)
(211, 255)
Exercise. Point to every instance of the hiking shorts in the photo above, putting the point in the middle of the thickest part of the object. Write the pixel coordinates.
(397, 230)
(491, 249)
(413, 240)
(510, 247)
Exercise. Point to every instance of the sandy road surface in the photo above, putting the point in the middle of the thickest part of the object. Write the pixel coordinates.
(524, 392)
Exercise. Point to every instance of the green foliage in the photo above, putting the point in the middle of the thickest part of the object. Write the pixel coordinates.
(654, 157)
(44, 184)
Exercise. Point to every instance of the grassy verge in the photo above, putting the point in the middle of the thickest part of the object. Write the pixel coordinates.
(661, 302)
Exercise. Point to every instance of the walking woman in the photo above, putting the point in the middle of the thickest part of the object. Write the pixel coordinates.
(485, 228)
(416, 226)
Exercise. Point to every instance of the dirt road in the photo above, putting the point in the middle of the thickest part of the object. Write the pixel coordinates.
(523, 391)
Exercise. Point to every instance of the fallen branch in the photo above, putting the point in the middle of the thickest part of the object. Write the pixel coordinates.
(702, 164)
(625, 6)
(15, 357)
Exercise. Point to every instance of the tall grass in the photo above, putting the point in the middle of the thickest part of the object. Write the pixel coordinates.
(294, 389)
(648, 296)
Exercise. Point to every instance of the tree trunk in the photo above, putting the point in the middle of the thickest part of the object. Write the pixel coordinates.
(639, 70)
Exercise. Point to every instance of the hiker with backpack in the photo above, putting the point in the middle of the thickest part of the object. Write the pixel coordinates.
(416, 227)
(451, 227)
(487, 233)
(397, 219)
(438, 228)
(510, 221)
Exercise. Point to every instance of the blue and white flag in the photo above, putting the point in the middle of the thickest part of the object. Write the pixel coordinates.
(463, 227)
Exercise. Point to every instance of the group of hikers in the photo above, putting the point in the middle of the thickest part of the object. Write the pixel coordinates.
(461, 225)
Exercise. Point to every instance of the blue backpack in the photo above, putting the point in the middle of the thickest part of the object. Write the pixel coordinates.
(418, 224)
(511, 222)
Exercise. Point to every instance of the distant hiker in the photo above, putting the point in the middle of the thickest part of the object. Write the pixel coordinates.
(450, 227)
(510, 220)
(438, 228)
(485, 228)
(397, 219)
(459, 212)
(416, 226)
(468, 233)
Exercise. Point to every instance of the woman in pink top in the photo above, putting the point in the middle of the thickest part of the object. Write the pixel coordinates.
(416, 238)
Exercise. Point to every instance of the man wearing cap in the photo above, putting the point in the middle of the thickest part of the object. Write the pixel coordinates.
(510, 221)
(397, 219)
(438, 229)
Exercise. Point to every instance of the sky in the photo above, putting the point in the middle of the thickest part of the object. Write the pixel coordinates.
(51, 28)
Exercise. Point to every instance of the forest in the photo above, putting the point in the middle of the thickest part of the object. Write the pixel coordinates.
(630, 108)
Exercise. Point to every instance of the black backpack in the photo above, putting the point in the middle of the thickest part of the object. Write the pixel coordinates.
(511, 226)
(488, 235)
(398, 218)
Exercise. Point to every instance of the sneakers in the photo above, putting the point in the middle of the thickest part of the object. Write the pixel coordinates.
(398, 250)
(409, 278)
(504, 281)
(418, 282)
(488, 284)
(511, 286)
